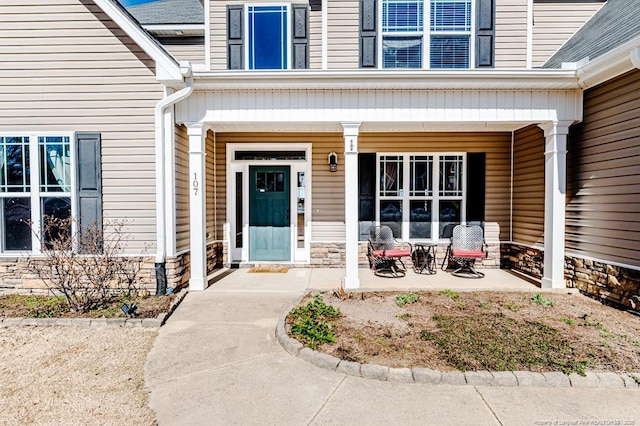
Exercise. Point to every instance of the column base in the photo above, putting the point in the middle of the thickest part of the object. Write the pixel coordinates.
(351, 283)
(550, 283)
(197, 284)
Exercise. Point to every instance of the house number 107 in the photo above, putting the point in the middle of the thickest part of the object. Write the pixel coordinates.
(195, 184)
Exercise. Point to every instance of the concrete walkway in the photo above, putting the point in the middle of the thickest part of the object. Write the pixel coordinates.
(217, 362)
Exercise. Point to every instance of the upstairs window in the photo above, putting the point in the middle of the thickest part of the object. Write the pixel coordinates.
(446, 40)
(267, 36)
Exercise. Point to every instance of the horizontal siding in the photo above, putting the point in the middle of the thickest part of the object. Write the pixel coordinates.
(218, 33)
(315, 39)
(343, 38)
(495, 145)
(603, 186)
(182, 188)
(554, 23)
(511, 34)
(216, 187)
(187, 52)
(327, 216)
(528, 186)
(327, 196)
(62, 69)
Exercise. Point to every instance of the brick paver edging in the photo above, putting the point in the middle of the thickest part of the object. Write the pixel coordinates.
(98, 322)
(471, 378)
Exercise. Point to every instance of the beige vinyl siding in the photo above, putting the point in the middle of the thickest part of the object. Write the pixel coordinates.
(528, 186)
(216, 187)
(182, 188)
(62, 69)
(603, 209)
(495, 145)
(218, 32)
(343, 38)
(315, 39)
(511, 34)
(193, 52)
(554, 23)
(327, 196)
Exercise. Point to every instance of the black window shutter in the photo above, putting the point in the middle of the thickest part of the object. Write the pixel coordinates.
(300, 36)
(366, 191)
(368, 34)
(475, 186)
(89, 181)
(235, 35)
(485, 33)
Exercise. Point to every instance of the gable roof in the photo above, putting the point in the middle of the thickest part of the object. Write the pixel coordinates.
(613, 25)
(179, 12)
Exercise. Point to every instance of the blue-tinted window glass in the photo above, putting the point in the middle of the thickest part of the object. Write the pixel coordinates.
(402, 52)
(267, 37)
(450, 15)
(14, 164)
(16, 215)
(449, 52)
(402, 15)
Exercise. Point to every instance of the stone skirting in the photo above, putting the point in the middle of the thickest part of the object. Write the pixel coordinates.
(616, 285)
(523, 259)
(608, 283)
(328, 255)
(16, 278)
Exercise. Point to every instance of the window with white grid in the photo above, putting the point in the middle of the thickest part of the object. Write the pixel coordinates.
(444, 43)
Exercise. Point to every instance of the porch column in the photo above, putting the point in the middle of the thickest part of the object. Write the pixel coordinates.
(555, 186)
(350, 132)
(197, 206)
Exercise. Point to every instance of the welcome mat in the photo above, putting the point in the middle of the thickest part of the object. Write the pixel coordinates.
(272, 269)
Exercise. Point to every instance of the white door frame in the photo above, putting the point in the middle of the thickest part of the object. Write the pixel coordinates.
(241, 254)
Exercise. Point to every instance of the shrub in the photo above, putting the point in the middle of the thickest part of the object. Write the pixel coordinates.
(87, 268)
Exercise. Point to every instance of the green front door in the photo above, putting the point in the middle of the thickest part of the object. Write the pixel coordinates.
(269, 223)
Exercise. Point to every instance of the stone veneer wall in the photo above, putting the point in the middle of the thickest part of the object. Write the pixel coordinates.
(328, 255)
(608, 283)
(16, 278)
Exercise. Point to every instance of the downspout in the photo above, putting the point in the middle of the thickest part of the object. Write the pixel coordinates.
(161, 221)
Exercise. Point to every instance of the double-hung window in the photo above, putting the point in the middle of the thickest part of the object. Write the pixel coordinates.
(35, 186)
(419, 194)
(445, 42)
(268, 41)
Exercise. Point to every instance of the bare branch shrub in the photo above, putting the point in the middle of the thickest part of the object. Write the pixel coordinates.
(89, 268)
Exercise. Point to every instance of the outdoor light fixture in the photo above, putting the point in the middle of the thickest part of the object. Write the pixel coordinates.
(129, 310)
(333, 161)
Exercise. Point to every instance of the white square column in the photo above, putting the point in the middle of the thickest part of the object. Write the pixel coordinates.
(555, 188)
(350, 132)
(197, 207)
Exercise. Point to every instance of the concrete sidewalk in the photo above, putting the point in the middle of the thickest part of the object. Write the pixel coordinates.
(217, 362)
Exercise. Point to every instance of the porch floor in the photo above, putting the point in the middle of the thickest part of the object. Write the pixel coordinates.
(298, 279)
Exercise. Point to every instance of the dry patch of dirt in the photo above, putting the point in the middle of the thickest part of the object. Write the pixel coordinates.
(33, 306)
(69, 375)
(484, 331)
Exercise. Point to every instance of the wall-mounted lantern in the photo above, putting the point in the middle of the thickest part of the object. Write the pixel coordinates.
(333, 162)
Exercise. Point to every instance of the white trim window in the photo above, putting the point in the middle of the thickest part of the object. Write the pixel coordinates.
(268, 37)
(420, 193)
(445, 42)
(36, 183)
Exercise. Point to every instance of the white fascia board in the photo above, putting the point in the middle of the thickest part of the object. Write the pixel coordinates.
(539, 79)
(176, 29)
(167, 68)
(610, 65)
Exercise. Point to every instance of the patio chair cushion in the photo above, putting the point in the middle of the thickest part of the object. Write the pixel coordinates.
(391, 253)
(469, 254)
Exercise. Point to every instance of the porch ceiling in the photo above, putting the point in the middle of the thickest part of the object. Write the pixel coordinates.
(310, 127)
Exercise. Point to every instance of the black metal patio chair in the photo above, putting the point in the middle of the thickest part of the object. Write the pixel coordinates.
(383, 254)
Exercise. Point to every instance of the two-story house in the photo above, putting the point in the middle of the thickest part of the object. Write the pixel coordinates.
(243, 132)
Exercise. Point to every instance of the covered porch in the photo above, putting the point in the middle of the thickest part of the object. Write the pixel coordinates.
(302, 110)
